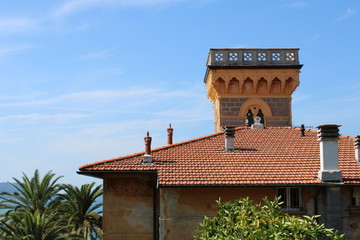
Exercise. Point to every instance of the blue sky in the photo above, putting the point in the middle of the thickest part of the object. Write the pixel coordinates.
(83, 80)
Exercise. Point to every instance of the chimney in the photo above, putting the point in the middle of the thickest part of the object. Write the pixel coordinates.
(328, 136)
(147, 158)
(357, 148)
(229, 138)
(170, 135)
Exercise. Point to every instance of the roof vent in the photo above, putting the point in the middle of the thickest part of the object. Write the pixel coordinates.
(257, 124)
(357, 148)
(147, 158)
(328, 136)
(229, 138)
(170, 135)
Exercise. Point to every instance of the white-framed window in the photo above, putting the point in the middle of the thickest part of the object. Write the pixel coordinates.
(290, 198)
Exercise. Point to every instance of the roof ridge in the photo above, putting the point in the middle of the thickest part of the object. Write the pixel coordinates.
(190, 141)
(315, 131)
(152, 150)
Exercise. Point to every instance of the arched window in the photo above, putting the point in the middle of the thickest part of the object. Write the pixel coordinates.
(260, 114)
(249, 118)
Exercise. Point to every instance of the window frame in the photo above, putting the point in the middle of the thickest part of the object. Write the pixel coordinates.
(287, 204)
(354, 199)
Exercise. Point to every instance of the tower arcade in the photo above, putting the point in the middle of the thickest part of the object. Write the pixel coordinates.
(245, 83)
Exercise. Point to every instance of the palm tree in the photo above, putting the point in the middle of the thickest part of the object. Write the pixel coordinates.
(33, 194)
(82, 210)
(34, 225)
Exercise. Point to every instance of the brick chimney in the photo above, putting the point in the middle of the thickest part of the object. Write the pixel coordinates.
(229, 138)
(147, 158)
(170, 135)
(357, 148)
(328, 136)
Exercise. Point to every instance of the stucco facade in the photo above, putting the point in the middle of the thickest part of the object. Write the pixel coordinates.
(135, 208)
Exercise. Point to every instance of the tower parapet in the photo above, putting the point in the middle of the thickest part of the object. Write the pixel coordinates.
(245, 83)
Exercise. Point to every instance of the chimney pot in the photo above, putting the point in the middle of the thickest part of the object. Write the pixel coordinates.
(229, 138)
(302, 130)
(147, 158)
(328, 136)
(257, 124)
(170, 131)
(357, 148)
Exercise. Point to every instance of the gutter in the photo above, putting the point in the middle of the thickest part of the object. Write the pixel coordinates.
(99, 174)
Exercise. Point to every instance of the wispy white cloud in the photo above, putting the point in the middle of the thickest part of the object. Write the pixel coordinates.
(13, 25)
(104, 97)
(17, 49)
(352, 98)
(349, 12)
(94, 55)
(70, 7)
(97, 96)
(298, 4)
(84, 26)
(13, 97)
(37, 116)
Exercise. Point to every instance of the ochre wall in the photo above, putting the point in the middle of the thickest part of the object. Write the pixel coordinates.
(135, 210)
(128, 207)
(182, 209)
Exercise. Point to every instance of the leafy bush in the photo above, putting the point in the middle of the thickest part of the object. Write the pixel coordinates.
(244, 219)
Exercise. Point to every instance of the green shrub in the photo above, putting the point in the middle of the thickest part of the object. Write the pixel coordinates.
(244, 219)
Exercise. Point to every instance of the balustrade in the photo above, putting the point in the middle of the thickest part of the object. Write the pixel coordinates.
(253, 57)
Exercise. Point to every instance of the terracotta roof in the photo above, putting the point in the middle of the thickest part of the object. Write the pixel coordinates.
(272, 156)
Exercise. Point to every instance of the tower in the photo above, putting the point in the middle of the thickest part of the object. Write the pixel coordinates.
(245, 83)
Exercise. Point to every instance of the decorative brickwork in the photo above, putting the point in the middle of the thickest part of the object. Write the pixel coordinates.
(259, 81)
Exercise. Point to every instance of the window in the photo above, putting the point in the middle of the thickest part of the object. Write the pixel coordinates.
(249, 118)
(261, 115)
(290, 198)
(356, 196)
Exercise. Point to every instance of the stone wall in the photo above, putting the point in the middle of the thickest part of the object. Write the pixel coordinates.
(350, 214)
(232, 121)
(231, 106)
(279, 106)
(278, 122)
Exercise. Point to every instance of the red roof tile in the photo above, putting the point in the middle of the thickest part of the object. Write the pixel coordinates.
(262, 156)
